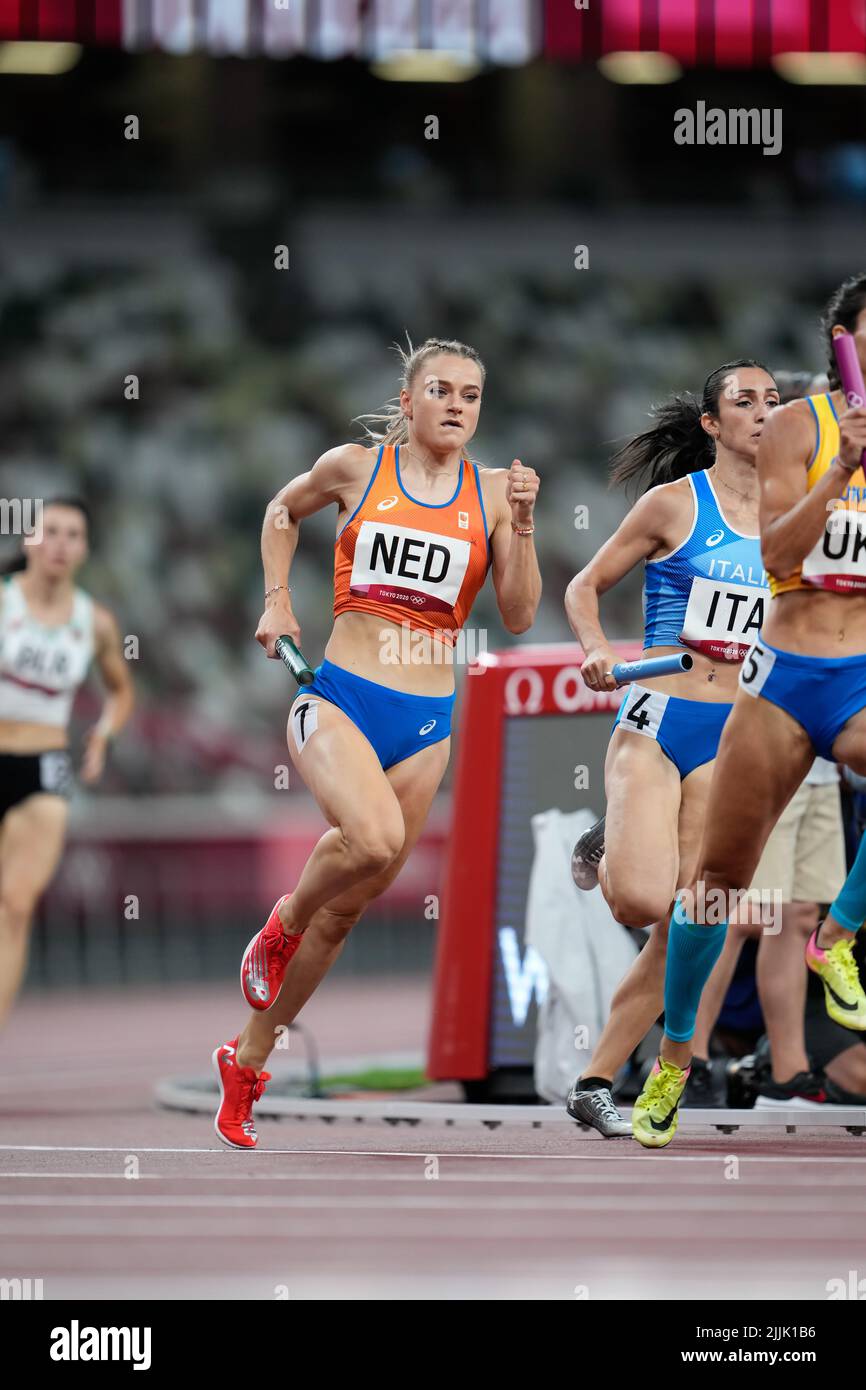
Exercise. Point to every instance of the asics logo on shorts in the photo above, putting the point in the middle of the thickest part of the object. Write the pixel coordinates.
(427, 727)
(387, 503)
(715, 538)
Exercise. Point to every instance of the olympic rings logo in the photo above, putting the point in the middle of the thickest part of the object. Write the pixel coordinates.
(525, 688)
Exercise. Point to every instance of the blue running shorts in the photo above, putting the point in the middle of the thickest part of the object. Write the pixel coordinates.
(820, 692)
(396, 724)
(687, 731)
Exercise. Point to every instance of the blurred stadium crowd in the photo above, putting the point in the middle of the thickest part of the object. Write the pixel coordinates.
(179, 468)
(154, 259)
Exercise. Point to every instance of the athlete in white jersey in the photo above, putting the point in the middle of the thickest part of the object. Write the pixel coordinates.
(50, 633)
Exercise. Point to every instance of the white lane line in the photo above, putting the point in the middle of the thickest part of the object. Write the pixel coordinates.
(605, 1156)
(60, 1075)
(594, 1179)
(674, 1203)
(535, 1238)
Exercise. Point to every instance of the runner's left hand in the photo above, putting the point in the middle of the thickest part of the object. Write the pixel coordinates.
(521, 490)
(93, 762)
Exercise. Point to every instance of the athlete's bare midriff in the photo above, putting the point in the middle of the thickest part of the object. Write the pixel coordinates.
(817, 623)
(392, 654)
(17, 737)
(712, 682)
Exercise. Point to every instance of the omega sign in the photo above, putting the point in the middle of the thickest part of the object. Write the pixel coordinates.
(555, 691)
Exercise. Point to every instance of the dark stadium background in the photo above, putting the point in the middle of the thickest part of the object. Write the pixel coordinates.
(155, 257)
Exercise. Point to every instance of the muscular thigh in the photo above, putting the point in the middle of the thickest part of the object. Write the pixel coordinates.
(641, 835)
(693, 809)
(850, 744)
(341, 769)
(763, 757)
(31, 843)
(414, 783)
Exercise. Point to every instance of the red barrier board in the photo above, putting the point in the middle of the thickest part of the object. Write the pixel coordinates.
(522, 721)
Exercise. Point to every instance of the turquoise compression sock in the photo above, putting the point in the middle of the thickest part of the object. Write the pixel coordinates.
(849, 909)
(692, 953)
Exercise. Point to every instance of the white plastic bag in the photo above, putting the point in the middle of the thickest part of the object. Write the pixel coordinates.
(585, 949)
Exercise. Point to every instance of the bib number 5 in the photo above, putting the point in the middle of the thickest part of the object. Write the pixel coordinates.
(756, 668)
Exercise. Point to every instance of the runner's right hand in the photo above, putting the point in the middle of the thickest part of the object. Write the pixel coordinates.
(278, 620)
(852, 437)
(597, 667)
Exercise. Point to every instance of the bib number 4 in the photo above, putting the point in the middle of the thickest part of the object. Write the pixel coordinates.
(642, 711)
(638, 717)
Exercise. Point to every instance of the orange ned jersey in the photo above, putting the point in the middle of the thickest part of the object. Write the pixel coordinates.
(408, 561)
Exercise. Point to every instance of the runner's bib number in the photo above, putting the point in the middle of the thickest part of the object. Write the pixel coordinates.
(756, 668)
(304, 721)
(55, 772)
(419, 570)
(838, 560)
(722, 620)
(642, 711)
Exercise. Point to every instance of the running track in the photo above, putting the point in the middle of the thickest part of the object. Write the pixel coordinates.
(348, 1210)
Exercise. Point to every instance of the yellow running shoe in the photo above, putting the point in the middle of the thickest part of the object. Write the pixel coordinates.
(655, 1117)
(843, 992)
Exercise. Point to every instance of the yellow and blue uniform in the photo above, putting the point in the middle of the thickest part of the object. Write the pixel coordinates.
(821, 693)
(837, 560)
(709, 594)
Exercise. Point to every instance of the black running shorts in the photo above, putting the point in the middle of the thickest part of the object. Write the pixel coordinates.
(24, 774)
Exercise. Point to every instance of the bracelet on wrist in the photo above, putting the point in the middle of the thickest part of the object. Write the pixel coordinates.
(522, 530)
(849, 472)
(273, 590)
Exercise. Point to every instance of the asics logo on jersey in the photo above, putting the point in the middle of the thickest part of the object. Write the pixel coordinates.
(387, 503)
(427, 727)
(715, 538)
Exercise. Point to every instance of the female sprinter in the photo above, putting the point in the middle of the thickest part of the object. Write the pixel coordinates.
(50, 631)
(696, 530)
(802, 692)
(417, 527)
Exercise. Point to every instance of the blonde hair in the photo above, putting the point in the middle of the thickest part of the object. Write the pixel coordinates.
(389, 425)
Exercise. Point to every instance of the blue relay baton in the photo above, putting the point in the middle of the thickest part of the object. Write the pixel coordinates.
(624, 672)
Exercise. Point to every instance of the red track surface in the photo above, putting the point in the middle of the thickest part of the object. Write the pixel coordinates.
(348, 1210)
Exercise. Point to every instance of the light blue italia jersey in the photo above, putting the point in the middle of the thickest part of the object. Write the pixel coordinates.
(712, 591)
